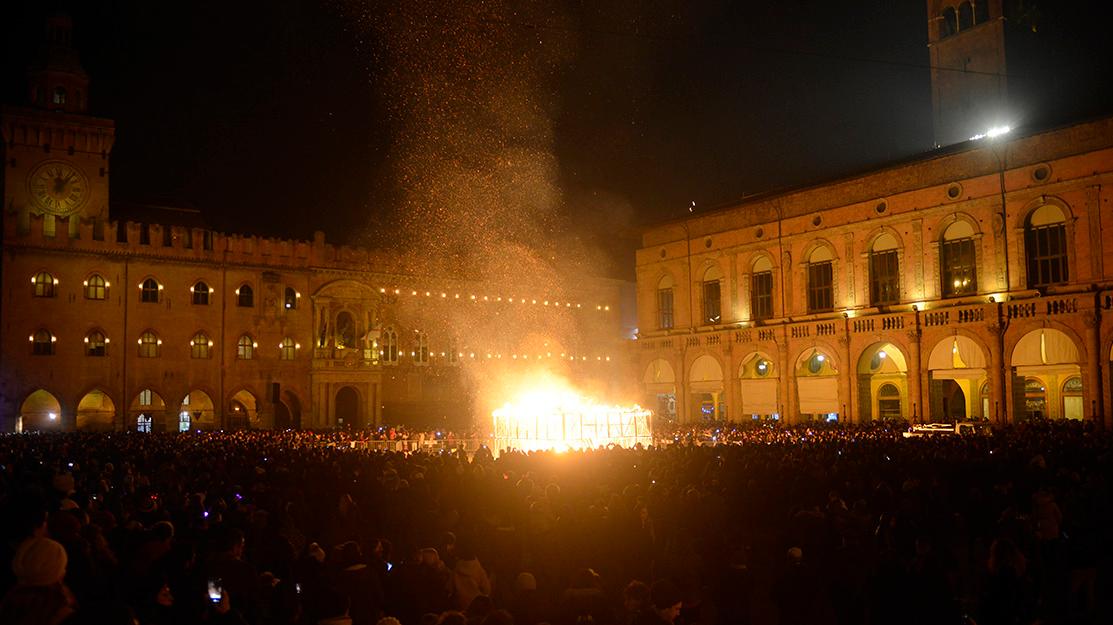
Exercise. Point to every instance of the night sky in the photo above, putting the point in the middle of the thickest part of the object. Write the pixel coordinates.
(560, 124)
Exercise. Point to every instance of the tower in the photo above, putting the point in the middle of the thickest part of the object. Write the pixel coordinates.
(55, 156)
(966, 44)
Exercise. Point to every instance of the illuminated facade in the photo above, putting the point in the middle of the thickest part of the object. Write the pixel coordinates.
(973, 283)
(127, 325)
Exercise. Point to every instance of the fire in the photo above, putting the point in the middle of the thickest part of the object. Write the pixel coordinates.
(562, 419)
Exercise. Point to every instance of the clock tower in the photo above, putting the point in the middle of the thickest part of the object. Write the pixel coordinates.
(55, 156)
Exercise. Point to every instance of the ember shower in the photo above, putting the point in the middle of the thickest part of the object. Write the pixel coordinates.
(470, 88)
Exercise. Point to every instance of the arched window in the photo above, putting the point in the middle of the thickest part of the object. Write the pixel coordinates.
(981, 11)
(390, 346)
(884, 271)
(200, 346)
(287, 349)
(1045, 246)
(245, 348)
(149, 344)
(761, 289)
(421, 348)
(712, 296)
(42, 343)
(821, 280)
(965, 16)
(888, 401)
(149, 291)
(96, 287)
(245, 297)
(664, 303)
(143, 424)
(958, 261)
(290, 298)
(96, 344)
(199, 293)
(43, 284)
(1035, 398)
(949, 24)
(59, 95)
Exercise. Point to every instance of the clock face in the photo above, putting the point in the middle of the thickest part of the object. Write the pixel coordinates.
(58, 187)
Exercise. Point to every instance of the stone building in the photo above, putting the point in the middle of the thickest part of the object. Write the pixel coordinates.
(122, 325)
(970, 282)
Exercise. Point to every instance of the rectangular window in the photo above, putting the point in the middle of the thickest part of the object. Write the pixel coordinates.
(761, 295)
(821, 292)
(1047, 255)
(884, 278)
(960, 274)
(664, 309)
(712, 302)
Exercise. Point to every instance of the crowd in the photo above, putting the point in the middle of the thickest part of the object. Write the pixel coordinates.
(791, 525)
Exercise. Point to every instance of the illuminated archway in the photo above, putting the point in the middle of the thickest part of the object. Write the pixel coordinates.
(660, 389)
(883, 366)
(40, 412)
(244, 411)
(956, 373)
(149, 404)
(758, 378)
(817, 386)
(96, 412)
(705, 385)
(196, 411)
(348, 413)
(1045, 359)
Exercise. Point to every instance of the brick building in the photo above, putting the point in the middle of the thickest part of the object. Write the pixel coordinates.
(971, 282)
(164, 326)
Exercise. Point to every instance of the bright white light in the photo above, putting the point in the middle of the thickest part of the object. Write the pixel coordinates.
(994, 132)
(52, 416)
(881, 354)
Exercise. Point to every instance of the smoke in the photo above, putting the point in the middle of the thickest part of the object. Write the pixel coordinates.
(471, 91)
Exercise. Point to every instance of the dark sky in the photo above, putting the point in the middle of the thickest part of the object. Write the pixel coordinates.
(283, 117)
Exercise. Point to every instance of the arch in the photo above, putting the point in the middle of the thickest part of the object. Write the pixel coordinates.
(1045, 346)
(958, 226)
(245, 347)
(817, 384)
(95, 287)
(1071, 392)
(883, 382)
(40, 411)
(42, 342)
(347, 408)
(711, 272)
(196, 411)
(705, 373)
(96, 343)
(149, 344)
(287, 412)
(149, 290)
(760, 262)
(757, 385)
(1046, 245)
(659, 372)
(44, 284)
(290, 298)
(390, 346)
(820, 251)
(948, 24)
(244, 410)
(200, 293)
(200, 346)
(957, 352)
(96, 412)
(245, 296)
(884, 241)
(665, 282)
(965, 16)
(345, 330)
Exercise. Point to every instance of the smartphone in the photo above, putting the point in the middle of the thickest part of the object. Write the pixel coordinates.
(216, 589)
(389, 566)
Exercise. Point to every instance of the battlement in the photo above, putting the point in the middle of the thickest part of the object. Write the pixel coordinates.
(182, 244)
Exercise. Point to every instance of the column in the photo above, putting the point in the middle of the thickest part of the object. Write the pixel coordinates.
(999, 387)
(915, 376)
(1092, 388)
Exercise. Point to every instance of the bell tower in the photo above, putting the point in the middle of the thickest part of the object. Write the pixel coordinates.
(55, 156)
(966, 45)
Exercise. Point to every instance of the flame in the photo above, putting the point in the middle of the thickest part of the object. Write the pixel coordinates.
(550, 416)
